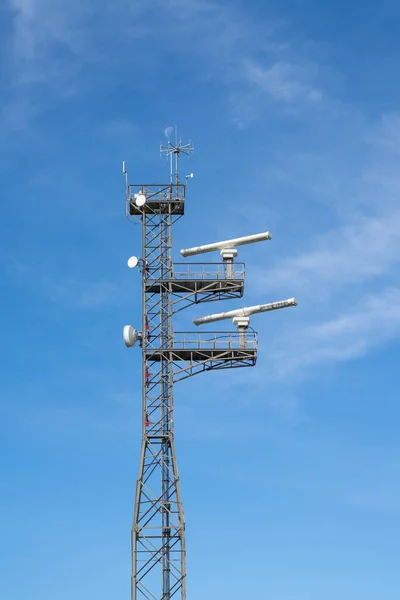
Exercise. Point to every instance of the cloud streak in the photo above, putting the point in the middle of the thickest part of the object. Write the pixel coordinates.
(53, 42)
(255, 70)
(284, 81)
(351, 334)
(350, 255)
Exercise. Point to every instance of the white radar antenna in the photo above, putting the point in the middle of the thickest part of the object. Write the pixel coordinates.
(246, 311)
(227, 244)
(240, 316)
(227, 248)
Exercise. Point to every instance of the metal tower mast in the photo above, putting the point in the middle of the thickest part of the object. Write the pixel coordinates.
(158, 531)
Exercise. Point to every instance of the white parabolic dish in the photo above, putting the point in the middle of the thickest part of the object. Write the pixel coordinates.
(132, 262)
(140, 199)
(130, 335)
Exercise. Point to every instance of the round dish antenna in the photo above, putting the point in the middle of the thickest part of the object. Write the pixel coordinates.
(140, 199)
(130, 336)
(133, 262)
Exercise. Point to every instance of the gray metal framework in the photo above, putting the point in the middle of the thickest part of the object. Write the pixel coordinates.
(158, 531)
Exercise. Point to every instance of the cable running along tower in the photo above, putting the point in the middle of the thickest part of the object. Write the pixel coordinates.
(158, 531)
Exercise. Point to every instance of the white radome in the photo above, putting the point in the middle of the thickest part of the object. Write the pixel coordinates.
(140, 199)
(130, 336)
(132, 262)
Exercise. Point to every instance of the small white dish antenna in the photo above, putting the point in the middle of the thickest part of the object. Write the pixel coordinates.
(140, 199)
(130, 336)
(132, 262)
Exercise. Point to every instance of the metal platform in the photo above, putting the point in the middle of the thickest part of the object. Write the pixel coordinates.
(172, 207)
(208, 346)
(162, 199)
(202, 278)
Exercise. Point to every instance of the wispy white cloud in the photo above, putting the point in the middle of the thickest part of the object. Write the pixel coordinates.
(380, 314)
(254, 70)
(350, 334)
(51, 45)
(284, 81)
(349, 255)
(53, 41)
(345, 269)
(42, 32)
(51, 32)
(278, 79)
(387, 133)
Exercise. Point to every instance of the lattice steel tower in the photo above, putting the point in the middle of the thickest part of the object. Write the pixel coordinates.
(158, 531)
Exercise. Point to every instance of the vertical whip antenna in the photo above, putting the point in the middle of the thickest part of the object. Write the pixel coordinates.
(173, 152)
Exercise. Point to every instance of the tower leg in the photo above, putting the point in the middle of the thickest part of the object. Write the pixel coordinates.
(158, 527)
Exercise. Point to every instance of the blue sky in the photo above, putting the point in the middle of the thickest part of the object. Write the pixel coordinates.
(289, 471)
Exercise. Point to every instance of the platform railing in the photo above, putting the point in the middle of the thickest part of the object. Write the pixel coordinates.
(218, 340)
(159, 192)
(212, 271)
